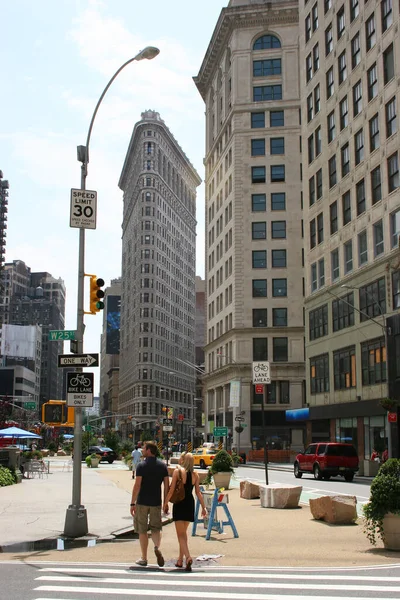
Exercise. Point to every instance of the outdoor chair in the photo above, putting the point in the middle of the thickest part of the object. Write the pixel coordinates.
(67, 465)
(35, 468)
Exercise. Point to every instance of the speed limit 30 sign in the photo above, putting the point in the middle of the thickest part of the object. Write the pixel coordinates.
(83, 209)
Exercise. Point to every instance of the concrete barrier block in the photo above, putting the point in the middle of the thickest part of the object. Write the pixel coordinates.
(334, 509)
(249, 490)
(202, 473)
(280, 496)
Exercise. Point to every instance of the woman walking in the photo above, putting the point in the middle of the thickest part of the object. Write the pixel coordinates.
(183, 512)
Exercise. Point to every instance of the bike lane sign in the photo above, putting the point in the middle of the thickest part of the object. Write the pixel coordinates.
(261, 372)
(80, 389)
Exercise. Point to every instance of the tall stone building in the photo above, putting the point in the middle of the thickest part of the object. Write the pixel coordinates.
(158, 277)
(200, 340)
(37, 299)
(350, 86)
(249, 81)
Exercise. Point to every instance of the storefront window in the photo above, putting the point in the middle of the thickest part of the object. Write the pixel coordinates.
(277, 440)
(346, 430)
(375, 435)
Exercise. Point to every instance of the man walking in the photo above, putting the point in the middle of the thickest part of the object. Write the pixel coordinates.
(136, 458)
(146, 501)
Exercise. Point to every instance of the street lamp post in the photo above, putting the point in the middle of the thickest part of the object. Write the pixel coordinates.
(76, 517)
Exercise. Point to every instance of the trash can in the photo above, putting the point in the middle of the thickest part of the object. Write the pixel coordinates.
(243, 457)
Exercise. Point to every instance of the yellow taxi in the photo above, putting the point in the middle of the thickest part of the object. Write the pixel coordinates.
(203, 457)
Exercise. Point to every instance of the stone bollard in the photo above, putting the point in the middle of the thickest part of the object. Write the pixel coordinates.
(334, 509)
(280, 496)
(249, 490)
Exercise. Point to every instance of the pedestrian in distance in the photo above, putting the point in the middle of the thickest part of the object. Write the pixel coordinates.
(375, 456)
(151, 474)
(136, 458)
(183, 512)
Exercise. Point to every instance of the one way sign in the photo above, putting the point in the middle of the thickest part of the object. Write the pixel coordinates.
(78, 360)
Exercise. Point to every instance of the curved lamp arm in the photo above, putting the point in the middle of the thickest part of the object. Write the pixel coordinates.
(148, 53)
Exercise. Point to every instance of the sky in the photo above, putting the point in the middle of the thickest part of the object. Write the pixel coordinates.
(57, 57)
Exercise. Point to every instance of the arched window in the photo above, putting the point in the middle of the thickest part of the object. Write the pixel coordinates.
(266, 42)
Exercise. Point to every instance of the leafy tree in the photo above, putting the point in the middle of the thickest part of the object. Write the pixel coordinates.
(88, 439)
(146, 436)
(127, 447)
(111, 440)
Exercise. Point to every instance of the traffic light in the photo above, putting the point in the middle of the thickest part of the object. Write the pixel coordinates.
(53, 412)
(96, 294)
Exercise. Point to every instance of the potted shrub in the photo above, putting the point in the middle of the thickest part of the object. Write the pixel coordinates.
(389, 404)
(93, 461)
(236, 459)
(128, 461)
(382, 512)
(221, 469)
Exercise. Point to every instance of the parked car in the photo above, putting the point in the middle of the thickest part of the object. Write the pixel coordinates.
(106, 454)
(326, 460)
(203, 457)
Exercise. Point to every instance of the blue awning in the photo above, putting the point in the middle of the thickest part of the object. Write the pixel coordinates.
(299, 414)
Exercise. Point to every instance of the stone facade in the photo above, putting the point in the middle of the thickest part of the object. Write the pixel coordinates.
(350, 88)
(249, 80)
(158, 298)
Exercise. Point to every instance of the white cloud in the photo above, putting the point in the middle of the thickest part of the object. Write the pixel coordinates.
(163, 84)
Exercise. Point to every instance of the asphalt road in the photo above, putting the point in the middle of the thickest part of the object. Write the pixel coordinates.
(73, 581)
(312, 488)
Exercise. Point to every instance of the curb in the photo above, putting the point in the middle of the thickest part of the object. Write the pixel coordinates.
(289, 468)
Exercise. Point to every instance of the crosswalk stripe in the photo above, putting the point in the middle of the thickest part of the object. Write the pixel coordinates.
(210, 567)
(222, 574)
(173, 593)
(219, 584)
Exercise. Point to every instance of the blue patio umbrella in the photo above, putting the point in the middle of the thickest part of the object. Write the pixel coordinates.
(68, 436)
(16, 432)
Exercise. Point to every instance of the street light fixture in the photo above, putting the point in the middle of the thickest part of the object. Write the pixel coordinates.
(76, 517)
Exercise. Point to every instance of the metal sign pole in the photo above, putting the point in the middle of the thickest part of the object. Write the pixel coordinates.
(265, 435)
(76, 524)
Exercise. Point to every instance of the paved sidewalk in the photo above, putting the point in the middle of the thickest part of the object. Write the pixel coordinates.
(35, 509)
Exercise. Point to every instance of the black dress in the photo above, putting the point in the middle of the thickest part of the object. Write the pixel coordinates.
(184, 511)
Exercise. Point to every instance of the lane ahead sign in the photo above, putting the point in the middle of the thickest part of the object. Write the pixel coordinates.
(261, 372)
(78, 360)
(80, 389)
(83, 209)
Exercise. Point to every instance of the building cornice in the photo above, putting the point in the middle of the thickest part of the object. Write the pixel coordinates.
(159, 124)
(242, 17)
(239, 332)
